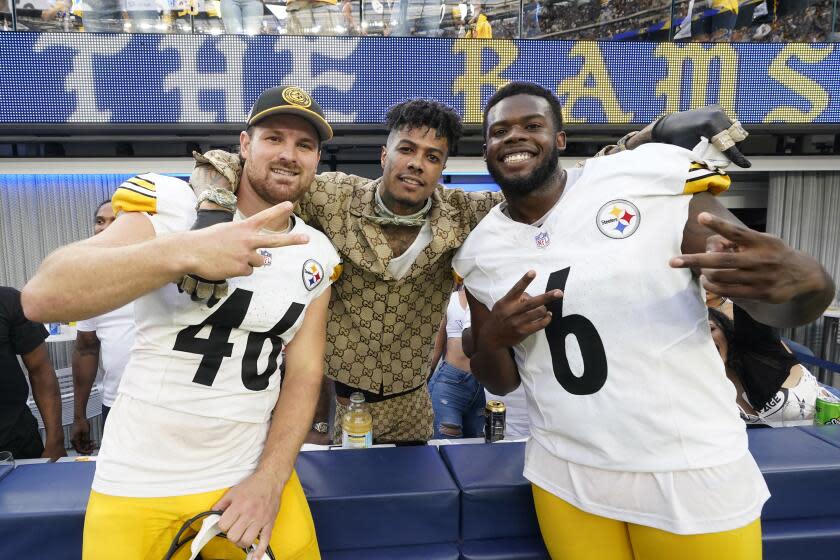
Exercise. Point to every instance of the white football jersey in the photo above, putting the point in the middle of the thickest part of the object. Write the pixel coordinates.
(222, 361)
(626, 377)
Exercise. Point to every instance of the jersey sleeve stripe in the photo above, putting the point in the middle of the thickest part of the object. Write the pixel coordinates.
(126, 199)
(714, 183)
(336, 273)
(144, 183)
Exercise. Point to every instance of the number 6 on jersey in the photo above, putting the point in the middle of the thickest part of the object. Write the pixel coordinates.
(591, 348)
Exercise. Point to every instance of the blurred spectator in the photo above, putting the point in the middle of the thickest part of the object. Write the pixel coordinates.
(104, 16)
(146, 16)
(208, 19)
(18, 428)
(5, 15)
(242, 16)
(457, 396)
(723, 22)
(347, 10)
(110, 337)
(313, 17)
(49, 15)
(771, 386)
(478, 26)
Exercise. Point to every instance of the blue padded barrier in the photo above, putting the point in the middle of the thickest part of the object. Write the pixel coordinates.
(521, 548)
(419, 552)
(828, 434)
(800, 470)
(801, 539)
(42, 510)
(496, 500)
(372, 498)
(799, 349)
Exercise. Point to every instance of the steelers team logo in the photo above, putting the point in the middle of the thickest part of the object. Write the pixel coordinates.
(296, 96)
(313, 274)
(618, 219)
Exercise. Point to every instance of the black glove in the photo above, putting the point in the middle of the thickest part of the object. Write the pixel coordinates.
(685, 129)
(199, 288)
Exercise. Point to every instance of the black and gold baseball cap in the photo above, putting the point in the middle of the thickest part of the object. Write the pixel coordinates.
(292, 100)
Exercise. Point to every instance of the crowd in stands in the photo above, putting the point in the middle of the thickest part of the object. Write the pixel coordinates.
(711, 20)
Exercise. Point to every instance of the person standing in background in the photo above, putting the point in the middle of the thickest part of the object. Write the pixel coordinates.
(479, 26)
(18, 428)
(242, 16)
(109, 336)
(457, 396)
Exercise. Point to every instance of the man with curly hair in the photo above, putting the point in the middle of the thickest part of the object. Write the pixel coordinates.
(396, 236)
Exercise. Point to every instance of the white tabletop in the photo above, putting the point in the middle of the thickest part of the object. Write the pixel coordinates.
(833, 312)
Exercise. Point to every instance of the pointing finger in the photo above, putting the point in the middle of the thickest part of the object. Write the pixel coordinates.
(712, 260)
(276, 212)
(731, 231)
(519, 288)
(274, 240)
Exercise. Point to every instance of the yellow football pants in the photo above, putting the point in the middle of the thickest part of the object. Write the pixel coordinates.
(143, 528)
(572, 534)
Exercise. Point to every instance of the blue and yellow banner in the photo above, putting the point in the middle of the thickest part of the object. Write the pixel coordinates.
(191, 79)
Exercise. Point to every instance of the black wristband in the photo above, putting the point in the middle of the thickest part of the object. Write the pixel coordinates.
(207, 218)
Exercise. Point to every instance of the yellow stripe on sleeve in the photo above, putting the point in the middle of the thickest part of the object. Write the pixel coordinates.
(140, 182)
(702, 179)
(336, 273)
(126, 199)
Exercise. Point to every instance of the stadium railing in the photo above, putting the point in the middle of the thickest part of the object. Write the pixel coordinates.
(613, 20)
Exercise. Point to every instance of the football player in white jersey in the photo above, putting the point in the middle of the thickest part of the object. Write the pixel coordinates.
(200, 422)
(585, 287)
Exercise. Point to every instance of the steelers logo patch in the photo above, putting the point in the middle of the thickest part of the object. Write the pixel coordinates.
(313, 274)
(618, 219)
(296, 96)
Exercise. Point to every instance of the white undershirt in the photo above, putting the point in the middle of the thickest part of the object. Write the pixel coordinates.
(688, 502)
(399, 266)
(163, 459)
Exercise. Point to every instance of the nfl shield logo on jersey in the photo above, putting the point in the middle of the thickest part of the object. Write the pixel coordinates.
(266, 257)
(542, 240)
(313, 273)
(618, 219)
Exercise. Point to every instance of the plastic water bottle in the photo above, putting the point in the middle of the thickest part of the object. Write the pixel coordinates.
(357, 424)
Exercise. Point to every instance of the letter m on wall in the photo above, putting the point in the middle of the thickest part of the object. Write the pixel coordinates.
(711, 71)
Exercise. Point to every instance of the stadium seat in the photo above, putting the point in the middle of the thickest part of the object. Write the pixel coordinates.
(828, 434)
(379, 498)
(802, 471)
(521, 548)
(792, 539)
(42, 510)
(496, 500)
(419, 552)
(497, 508)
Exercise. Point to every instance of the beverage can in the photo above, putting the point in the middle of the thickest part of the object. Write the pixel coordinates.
(494, 421)
(826, 412)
